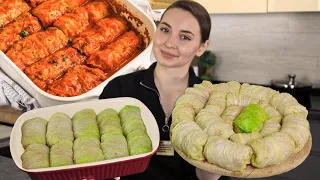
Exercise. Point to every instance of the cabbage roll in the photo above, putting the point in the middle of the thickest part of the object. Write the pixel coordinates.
(217, 101)
(35, 156)
(201, 92)
(195, 101)
(271, 150)
(240, 100)
(227, 154)
(139, 142)
(132, 124)
(205, 118)
(61, 154)
(34, 131)
(182, 113)
(231, 86)
(189, 138)
(129, 111)
(85, 124)
(273, 114)
(231, 113)
(110, 127)
(220, 128)
(107, 114)
(245, 138)
(59, 129)
(114, 146)
(87, 149)
(205, 85)
(297, 126)
(286, 104)
(257, 92)
(251, 118)
(270, 127)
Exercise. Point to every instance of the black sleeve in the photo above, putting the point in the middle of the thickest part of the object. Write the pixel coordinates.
(112, 90)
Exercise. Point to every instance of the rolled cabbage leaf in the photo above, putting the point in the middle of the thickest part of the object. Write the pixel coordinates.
(245, 138)
(272, 113)
(87, 149)
(205, 118)
(61, 154)
(231, 113)
(231, 86)
(34, 131)
(85, 124)
(132, 124)
(270, 127)
(195, 101)
(205, 85)
(251, 118)
(227, 154)
(139, 142)
(200, 92)
(107, 114)
(129, 111)
(286, 104)
(298, 127)
(110, 127)
(182, 113)
(35, 156)
(217, 101)
(114, 146)
(271, 150)
(237, 99)
(221, 129)
(257, 92)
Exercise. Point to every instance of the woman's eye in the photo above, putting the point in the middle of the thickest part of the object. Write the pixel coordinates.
(186, 38)
(165, 30)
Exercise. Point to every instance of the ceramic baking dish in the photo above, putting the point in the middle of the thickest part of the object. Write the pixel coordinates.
(125, 8)
(95, 170)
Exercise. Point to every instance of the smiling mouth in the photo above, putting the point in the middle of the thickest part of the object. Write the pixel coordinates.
(168, 55)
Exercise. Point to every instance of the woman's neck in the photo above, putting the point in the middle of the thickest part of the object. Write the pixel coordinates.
(172, 77)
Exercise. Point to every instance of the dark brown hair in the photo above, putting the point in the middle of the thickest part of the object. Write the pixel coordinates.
(199, 12)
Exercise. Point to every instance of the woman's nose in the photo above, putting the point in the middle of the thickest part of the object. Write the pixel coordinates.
(171, 42)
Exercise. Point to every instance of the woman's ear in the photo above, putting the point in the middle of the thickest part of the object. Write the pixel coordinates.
(202, 48)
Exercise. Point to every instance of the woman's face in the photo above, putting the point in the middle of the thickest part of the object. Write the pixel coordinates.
(178, 39)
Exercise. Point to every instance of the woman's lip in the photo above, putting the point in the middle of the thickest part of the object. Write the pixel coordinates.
(168, 55)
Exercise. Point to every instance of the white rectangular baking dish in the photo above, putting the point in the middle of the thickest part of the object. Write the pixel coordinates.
(143, 23)
(88, 169)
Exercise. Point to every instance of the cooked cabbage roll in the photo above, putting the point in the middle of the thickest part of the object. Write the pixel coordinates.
(87, 149)
(231, 86)
(205, 118)
(195, 101)
(271, 150)
(129, 111)
(270, 127)
(85, 124)
(237, 99)
(227, 154)
(35, 156)
(132, 124)
(110, 127)
(251, 118)
(182, 113)
(59, 129)
(61, 154)
(205, 85)
(286, 104)
(231, 113)
(108, 114)
(189, 138)
(220, 128)
(257, 92)
(245, 138)
(139, 142)
(11, 9)
(34, 131)
(297, 126)
(114, 146)
(273, 114)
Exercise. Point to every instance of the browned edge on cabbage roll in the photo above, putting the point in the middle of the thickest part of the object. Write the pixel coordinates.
(74, 23)
(77, 81)
(102, 33)
(36, 46)
(117, 52)
(25, 25)
(53, 66)
(11, 9)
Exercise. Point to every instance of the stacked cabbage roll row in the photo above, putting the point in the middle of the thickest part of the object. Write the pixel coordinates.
(64, 141)
(232, 125)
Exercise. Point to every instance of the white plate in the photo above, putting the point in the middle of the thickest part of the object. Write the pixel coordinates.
(70, 109)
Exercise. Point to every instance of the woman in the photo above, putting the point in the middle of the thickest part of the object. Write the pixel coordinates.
(181, 35)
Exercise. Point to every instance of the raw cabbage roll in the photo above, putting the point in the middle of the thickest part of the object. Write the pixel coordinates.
(231, 86)
(273, 114)
(240, 100)
(217, 101)
(270, 127)
(61, 154)
(220, 128)
(286, 104)
(257, 92)
(231, 113)
(182, 113)
(139, 142)
(227, 154)
(245, 138)
(189, 138)
(35, 156)
(133, 124)
(108, 114)
(251, 118)
(110, 126)
(201, 93)
(205, 118)
(85, 124)
(114, 146)
(205, 85)
(128, 112)
(195, 101)
(297, 126)
(34, 131)
(271, 150)
(87, 149)
(59, 128)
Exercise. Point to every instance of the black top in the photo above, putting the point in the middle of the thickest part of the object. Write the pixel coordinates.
(140, 85)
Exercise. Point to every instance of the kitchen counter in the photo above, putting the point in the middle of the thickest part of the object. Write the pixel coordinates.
(9, 170)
